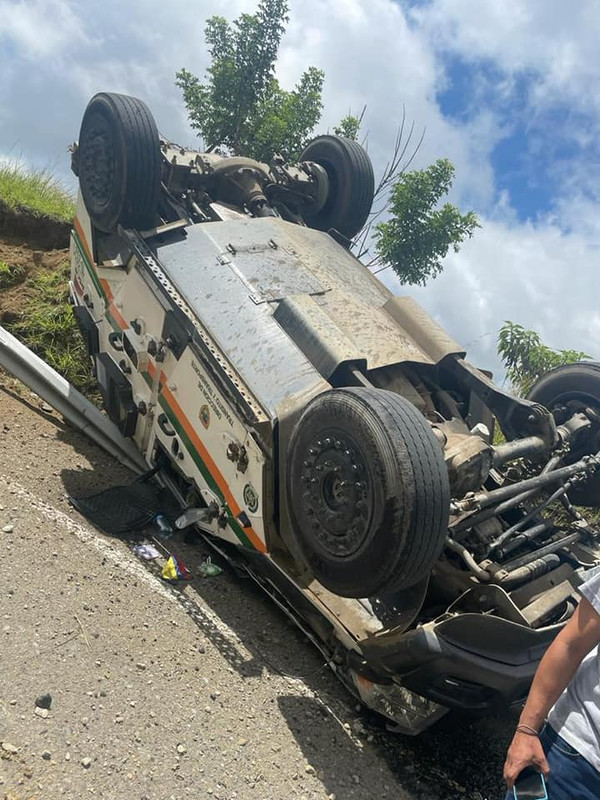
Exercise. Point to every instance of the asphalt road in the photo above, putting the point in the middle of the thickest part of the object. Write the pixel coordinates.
(163, 693)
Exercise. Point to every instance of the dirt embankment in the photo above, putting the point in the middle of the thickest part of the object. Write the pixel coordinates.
(29, 245)
(44, 233)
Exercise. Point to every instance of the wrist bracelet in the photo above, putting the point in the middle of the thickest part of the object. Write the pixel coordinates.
(521, 728)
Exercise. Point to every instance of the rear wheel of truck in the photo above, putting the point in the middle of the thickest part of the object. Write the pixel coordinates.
(119, 162)
(351, 184)
(565, 391)
(368, 492)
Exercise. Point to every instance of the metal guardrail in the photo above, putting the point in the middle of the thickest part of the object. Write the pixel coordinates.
(21, 362)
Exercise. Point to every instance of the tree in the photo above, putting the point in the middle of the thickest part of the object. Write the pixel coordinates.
(419, 234)
(527, 358)
(349, 126)
(242, 109)
(241, 106)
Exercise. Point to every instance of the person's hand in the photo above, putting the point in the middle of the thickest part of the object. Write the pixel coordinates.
(524, 751)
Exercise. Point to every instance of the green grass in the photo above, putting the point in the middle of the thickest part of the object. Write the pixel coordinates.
(47, 325)
(36, 190)
(11, 274)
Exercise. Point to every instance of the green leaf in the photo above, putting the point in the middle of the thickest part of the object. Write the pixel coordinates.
(527, 358)
(241, 106)
(419, 233)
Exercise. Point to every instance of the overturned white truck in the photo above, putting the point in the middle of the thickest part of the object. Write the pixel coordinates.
(328, 436)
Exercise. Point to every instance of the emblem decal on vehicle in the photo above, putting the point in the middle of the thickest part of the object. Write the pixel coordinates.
(204, 415)
(250, 497)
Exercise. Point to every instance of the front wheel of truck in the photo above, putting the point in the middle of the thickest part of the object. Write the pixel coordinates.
(368, 492)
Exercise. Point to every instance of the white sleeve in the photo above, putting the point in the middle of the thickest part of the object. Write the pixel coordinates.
(591, 588)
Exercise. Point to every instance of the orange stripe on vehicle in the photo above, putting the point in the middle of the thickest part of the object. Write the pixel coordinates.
(210, 464)
(121, 322)
(235, 509)
(84, 241)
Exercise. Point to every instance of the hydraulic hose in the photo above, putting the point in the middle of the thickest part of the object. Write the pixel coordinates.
(473, 566)
(529, 571)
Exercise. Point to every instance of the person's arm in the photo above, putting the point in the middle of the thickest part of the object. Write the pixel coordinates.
(557, 667)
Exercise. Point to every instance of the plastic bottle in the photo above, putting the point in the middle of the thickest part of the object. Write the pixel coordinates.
(164, 527)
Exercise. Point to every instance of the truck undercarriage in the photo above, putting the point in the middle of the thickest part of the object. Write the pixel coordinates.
(325, 434)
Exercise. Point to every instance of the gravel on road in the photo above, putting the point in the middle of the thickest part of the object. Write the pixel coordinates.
(114, 684)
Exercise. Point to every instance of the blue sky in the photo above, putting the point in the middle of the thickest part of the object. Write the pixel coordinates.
(507, 91)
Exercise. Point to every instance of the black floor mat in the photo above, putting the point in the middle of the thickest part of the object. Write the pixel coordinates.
(122, 508)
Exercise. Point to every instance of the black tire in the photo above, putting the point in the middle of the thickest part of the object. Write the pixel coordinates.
(565, 391)
(384, 529)
(351, 184)
(119, 162)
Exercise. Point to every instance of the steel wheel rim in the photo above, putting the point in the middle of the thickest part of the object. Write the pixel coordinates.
(337, 493)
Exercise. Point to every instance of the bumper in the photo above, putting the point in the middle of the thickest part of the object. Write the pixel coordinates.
(470, 662)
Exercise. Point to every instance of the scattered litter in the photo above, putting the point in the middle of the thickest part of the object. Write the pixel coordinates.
(181, 749)
(44, 701)
(163, 526)
(174, 570)
(208, 570)
(8, 528)
(147, 551)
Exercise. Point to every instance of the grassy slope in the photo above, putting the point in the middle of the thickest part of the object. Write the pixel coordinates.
(48, 327)
(36, 190)
(40, 314)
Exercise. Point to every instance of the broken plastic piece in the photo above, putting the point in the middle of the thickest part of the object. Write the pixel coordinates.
(147, 551)
(208, 570)
(175, 570)
(193, 515)
(164, 527)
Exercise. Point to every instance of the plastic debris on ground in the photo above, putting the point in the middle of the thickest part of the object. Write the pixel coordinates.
(208, 570)
(146, 551)
(175, 570)
(163, 526)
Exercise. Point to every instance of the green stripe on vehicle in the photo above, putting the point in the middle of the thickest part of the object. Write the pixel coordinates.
(206, 474)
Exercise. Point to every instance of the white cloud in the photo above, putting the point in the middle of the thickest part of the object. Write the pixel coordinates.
(534, 274)
(57, 53)
(41, 29)
(556, 40)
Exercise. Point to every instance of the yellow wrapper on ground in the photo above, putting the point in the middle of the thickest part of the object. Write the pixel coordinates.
(169, 571)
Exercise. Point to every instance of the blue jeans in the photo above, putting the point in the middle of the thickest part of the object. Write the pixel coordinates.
(571, 776)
